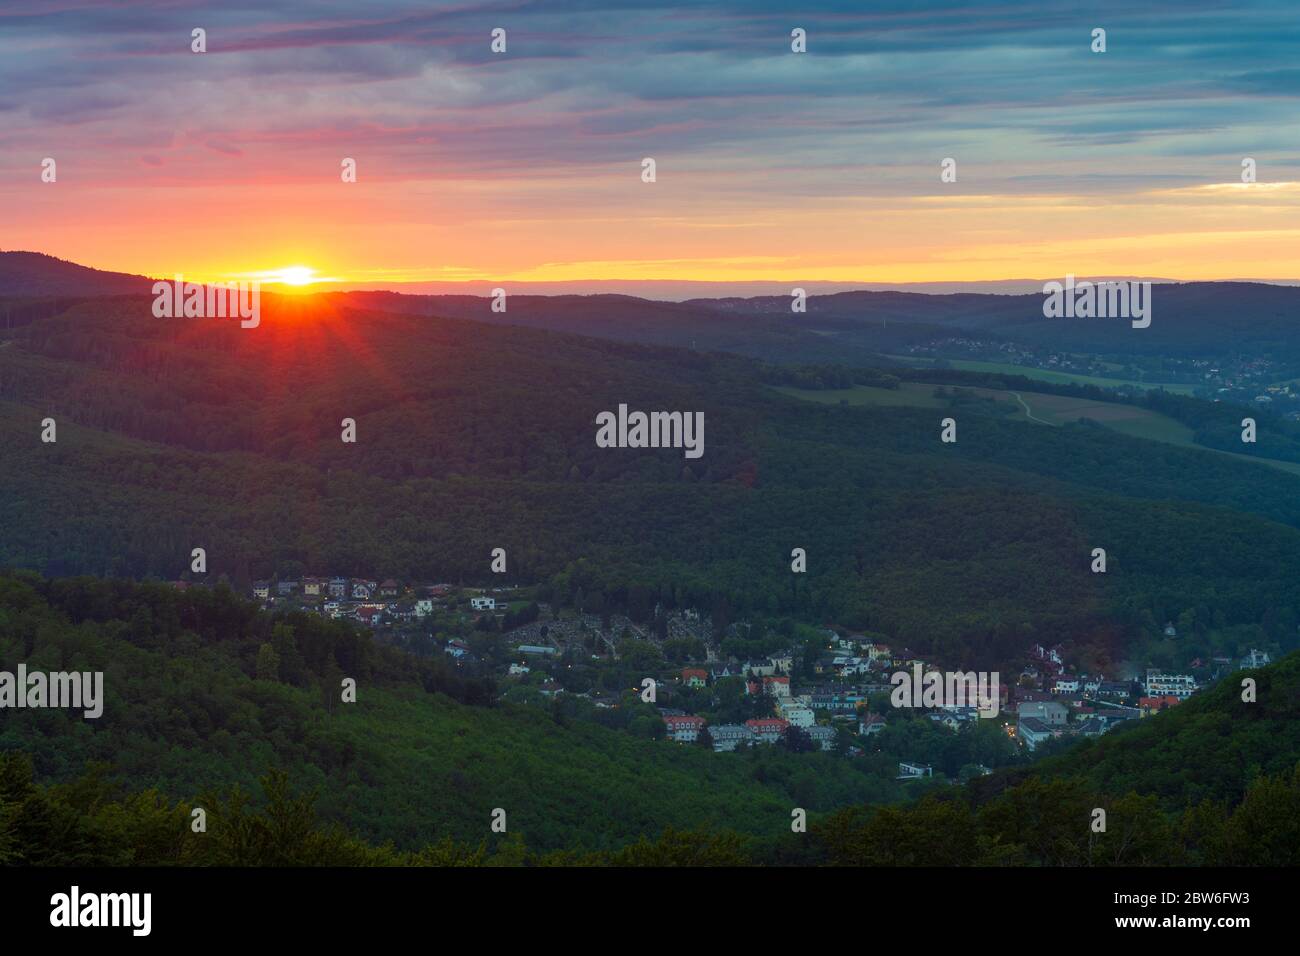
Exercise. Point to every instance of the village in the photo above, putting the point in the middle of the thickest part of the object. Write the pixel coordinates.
(825, 689)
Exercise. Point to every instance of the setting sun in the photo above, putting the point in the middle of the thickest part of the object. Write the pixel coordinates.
(296, 275)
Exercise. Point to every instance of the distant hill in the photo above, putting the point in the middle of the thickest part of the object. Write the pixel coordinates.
(1208, 320)
(36, 274)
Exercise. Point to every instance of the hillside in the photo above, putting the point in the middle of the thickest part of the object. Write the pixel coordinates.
(1214, 781)
(1208, 320)
(192, 709)
(36, 274)
(472, 436)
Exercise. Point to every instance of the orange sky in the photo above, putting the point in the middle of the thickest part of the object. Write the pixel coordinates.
(771, 165)
(358, 233)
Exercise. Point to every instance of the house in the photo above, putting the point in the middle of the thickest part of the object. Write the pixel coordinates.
(906, 660)
(261, 589)
(767, 730)
(694, 676)
(776, 686)
(518, 669)
(338, 587)
(950, 721)
(684, 729)
(871, 724)
(333, 608)
(286, 587)
(782, 663)
(1181, 686)
(483, 604)
(1115, 690)
(1155, 704)
(1256, 659)
(543, 649)
(1066, 685)
(312, 586)
(361, 591)
(1091, 685)
(1114, 715)
(759, 668)
(457, 649)
(1033, 731)
(369, 615)
(914, 771)
(1093, 727)
(1050, 712)
(423, 607)
(837, 702)
(823, 736)
(877, 652)
(724, 671)
(727, 737)
(389, 588)
(796, 711)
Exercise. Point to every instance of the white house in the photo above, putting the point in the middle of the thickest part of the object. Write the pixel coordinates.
(1181, 686)
(684, 729)
(483, 603)
(796, 711)
(728, 737)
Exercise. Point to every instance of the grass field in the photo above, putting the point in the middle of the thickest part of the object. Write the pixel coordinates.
(1036, 407)
(1043, 375)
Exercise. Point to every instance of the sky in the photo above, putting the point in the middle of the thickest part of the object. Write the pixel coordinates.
(770, 166)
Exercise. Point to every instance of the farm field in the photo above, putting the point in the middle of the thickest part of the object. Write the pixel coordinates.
(1036, 407)
(1043, 375)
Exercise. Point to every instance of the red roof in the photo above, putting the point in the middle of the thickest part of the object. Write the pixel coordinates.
(684, 721)
(760, 724)
(1158, 703)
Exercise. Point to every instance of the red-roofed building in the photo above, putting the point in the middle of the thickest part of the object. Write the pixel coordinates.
(767, 730)
(776, 686)
(684, 729)
(1153, 705)
(694, 676)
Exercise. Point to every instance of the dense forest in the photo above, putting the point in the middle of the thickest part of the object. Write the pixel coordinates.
(187, 433)
(205, 693)
(415, 776)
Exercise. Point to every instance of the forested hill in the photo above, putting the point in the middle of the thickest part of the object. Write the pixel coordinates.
(175, 434)
(204, 695)
(1189, 320)
(1213, 781)
(210, 703)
